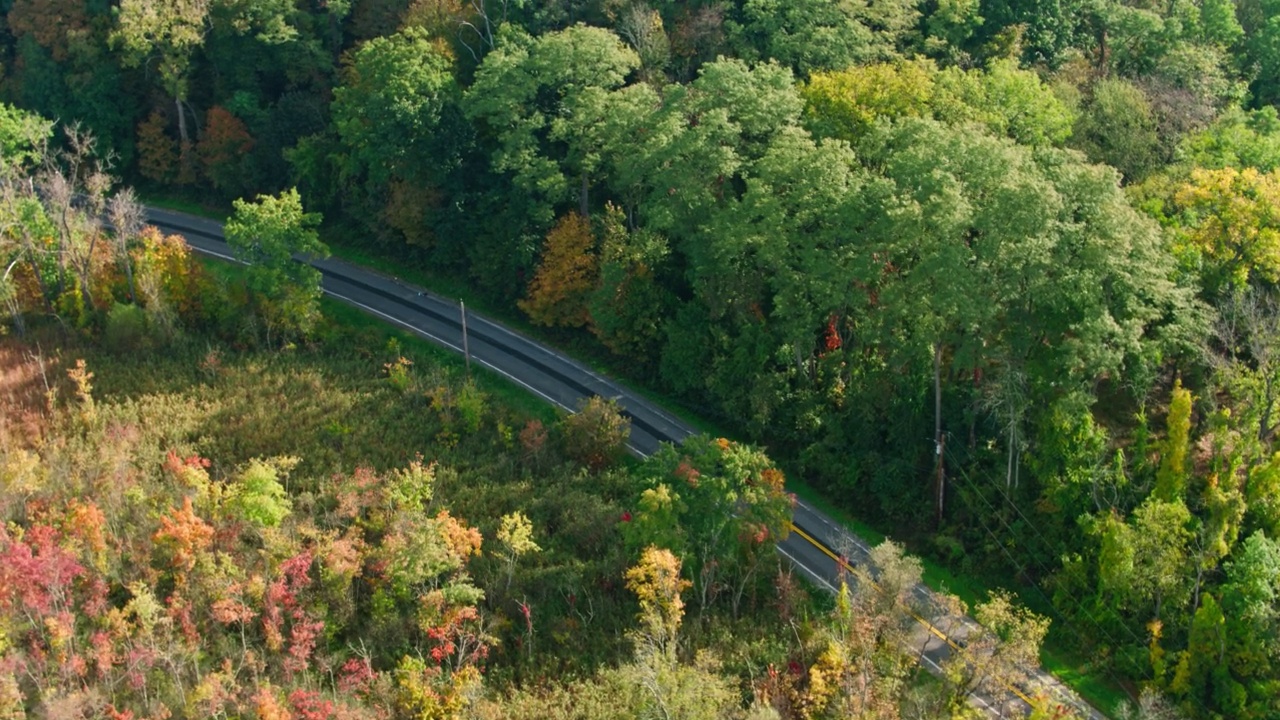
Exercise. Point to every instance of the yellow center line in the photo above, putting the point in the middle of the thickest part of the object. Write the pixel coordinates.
(863, 575)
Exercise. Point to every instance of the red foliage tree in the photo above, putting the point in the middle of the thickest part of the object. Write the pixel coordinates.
(54, 24)
(222, 148)
(36, 573)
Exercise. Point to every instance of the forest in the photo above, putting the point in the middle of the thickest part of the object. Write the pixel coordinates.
(224, 498)
(1000, 277)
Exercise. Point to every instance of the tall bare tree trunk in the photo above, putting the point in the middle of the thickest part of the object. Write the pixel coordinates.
(182, 121)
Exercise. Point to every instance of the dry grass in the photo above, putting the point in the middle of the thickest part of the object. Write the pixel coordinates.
(24, 372)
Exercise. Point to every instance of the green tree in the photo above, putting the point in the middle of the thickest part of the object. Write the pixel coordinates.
(267, 234)
(1244, 352)
(1230, 222)
(1004, 652)
(1171, 478)
(1006, 99)
(960, 246)
(398, 94)
(657, 521)
(532, 96)
(257, 497)
(23, 140)
(1202, 666)
(1262, 495)
(730, 507)
(1261, 24)
(844, 103)
(1237, 139)
(1117, 126)
(169, 32)
(1037, 31)
(1157, 577)
(1250, 602)
(629, 302)
(811, 35)
(949, 26)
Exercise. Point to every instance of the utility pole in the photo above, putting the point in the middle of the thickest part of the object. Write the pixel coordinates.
(942, 478)
(466, 350)
(939, 440)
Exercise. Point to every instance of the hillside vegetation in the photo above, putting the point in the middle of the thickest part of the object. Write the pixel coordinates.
(1000, 276)
(353, 529)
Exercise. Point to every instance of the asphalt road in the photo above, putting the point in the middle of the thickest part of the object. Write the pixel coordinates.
(820, 549)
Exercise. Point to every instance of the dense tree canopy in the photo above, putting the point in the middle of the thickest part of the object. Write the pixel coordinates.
(1001, 275)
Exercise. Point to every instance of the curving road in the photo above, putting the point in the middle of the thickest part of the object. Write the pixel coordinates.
(823, 551)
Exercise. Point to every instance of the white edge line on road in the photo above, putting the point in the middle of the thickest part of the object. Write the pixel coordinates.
(453, 347)
(805, 568)
(418, 331)
(910, 650)
(604, 381)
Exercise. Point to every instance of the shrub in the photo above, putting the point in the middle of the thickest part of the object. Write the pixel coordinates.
(471, 405)
(596, 436)
(126, 329)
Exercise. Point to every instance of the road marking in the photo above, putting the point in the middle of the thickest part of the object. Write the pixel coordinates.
(455, 348)
(862, 574)
(841, 562)
(807, 570)
(909, 649)
(418, 331)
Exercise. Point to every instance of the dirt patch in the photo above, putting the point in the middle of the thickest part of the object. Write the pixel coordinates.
(23, 405)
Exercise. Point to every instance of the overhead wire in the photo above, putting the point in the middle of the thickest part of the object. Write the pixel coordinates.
(1081, 605)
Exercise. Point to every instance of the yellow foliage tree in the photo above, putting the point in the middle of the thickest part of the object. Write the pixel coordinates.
(844, 103)
(566, 276)
(1171, 479)
(657, 584)
(1231, 218)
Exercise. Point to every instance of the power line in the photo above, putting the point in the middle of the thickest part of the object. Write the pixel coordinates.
(1022, 568)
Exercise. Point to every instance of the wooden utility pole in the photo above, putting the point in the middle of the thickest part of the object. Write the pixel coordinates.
(942, 477)
(939, 440)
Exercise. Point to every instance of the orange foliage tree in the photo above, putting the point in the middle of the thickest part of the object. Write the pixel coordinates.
(222, 149)
(157, 152)
(53, 24)
(408, 210)
(566, 276)
(440, 18)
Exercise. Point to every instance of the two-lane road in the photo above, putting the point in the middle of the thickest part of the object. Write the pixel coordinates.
(819, 548)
